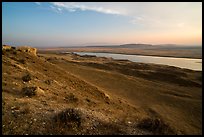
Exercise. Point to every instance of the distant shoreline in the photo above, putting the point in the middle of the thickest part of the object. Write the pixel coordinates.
(141, 55)
(191, 54)
(41, 50)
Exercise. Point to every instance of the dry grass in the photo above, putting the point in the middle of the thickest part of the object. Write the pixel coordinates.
(29, 91)
(156, 125)
(26, 78)
(69, 117)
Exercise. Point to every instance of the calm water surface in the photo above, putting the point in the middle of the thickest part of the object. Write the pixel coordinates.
(194, 64)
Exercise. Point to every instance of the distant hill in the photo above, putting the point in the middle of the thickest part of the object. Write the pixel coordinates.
(135, 46)
(145, 46)
(122, 46)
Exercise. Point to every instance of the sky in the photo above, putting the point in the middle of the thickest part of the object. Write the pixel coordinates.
(61, 24)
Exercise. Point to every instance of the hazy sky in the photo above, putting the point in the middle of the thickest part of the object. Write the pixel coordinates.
(77, 23)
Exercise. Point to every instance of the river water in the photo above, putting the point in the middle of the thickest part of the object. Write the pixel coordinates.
(193, 64)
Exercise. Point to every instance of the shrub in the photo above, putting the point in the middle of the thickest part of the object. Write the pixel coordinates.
(155, 125)
(88, 100)
(70, 117)
(26, 78)
(13, 48)
(71, 98)
(48, 82)
(21, 61)
(8, 49)
(29, 91)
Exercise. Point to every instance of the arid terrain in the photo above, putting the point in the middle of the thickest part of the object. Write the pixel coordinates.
(140, 49)
(48, 93)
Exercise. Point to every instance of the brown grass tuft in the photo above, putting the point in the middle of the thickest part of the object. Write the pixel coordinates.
(155, 125)
(69, 117)
(29, 91)
(26, 78)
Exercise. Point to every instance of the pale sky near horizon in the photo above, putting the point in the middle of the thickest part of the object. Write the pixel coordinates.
(59, 24)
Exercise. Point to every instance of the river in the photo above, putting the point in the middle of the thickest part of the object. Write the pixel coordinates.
(193, 64)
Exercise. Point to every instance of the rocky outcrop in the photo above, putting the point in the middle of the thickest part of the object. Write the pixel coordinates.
(6, 47)
(28, 49)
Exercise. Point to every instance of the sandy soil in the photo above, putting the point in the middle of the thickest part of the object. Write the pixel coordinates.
(71, 94)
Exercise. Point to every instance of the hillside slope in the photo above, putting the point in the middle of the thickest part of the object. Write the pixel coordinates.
(69, 94)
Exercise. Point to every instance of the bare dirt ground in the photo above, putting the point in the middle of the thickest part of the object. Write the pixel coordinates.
(70, 94)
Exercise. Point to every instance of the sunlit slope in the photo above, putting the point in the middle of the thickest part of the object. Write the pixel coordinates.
(174, 94)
